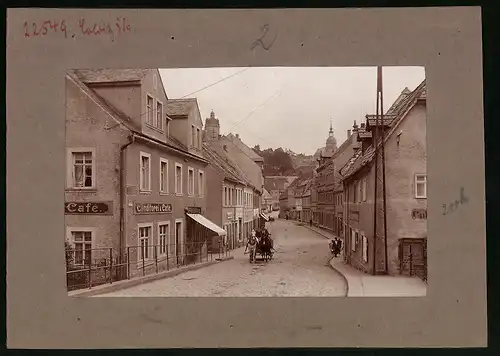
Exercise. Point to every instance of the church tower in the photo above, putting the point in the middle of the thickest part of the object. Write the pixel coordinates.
(212, 128)
(331, 142)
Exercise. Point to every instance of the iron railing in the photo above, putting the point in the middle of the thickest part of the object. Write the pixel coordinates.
(92, 267)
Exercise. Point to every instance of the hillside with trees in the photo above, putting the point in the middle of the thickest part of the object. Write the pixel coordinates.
(280, 162)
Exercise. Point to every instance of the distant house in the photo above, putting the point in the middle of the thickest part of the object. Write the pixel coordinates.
(276, 185)
(303, 196)
(267, 201)
(406, 192)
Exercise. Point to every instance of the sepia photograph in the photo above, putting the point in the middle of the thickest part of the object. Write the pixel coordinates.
(275, 182)
(246, 182)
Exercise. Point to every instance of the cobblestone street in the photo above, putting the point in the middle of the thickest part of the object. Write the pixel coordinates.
(300, 268)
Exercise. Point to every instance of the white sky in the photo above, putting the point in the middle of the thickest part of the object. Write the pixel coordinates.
(292, 106)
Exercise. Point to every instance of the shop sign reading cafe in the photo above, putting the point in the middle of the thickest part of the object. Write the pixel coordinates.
(88, 208)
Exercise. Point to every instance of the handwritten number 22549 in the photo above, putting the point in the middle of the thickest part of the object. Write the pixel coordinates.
(43, 29)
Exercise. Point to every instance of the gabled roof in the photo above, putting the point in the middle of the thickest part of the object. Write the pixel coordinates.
(219, 162)
(180, 107)
(358, 160)
(234, 169)
(243, 147)
(90, 76)
(123, 119)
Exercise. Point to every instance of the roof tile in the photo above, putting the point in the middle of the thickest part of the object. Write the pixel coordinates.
(89, 76)
(179, 107)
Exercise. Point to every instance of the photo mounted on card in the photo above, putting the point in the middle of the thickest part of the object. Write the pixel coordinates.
(220, 179)
(196, 189)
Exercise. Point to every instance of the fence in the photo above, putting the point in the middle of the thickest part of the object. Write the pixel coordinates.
(87, 268)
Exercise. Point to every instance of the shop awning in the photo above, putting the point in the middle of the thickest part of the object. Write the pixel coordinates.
(263, 216)
(200, 219)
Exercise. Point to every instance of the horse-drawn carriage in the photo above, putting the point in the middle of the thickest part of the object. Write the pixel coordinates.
(263, 248)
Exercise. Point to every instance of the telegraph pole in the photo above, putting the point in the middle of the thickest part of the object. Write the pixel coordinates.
(379, 211)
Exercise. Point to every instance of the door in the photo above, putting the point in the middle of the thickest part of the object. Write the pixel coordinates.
(178, 240)
(413, 257)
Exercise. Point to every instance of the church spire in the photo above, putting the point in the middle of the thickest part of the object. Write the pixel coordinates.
(330, 133)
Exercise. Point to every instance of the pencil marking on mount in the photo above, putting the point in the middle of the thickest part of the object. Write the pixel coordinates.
(259, 41)
(453, 206)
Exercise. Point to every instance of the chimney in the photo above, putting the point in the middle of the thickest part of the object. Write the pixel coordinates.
(225, 148)
(348, 134)
(238, 136)
(363, 125)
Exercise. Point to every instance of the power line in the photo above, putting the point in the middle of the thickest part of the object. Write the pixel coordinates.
(255, 109)
(182, 97)
(217, 82)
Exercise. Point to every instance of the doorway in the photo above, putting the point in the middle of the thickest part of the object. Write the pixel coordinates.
(413, 257)
(178, 242)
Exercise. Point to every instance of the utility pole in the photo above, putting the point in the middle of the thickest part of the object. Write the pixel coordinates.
(379, 211)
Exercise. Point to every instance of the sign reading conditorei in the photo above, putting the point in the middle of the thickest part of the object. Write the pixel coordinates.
(88, 208)
(193, 210)
(152, 208)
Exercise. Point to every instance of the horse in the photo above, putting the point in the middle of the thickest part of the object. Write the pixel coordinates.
(265, 247)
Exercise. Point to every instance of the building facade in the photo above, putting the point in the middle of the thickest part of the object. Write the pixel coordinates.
(247, 166)
(225, 198)
(135, 182)
(306, 215)
(406, 192)
(325, 185)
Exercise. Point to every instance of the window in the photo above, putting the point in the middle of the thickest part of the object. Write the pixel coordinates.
(159, 115)
(355, 192)
(81, 241)
(360, 187)
(201, 183)
(149, 110)
(145, 178)
(198, 136)
(420, 186)
(81, 168)
(190, 181)
(353, 240)
(193, 136)
(144, 237)
(163, 175)
(178, 178)
(364, 189)
(163, 237)
(365, 247)
(357, 237)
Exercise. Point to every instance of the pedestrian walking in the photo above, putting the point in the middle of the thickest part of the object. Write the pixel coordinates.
(251, 246)
(310, 222)
(338, 246)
